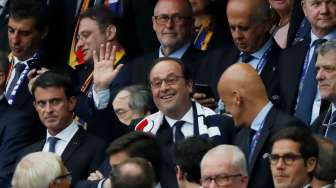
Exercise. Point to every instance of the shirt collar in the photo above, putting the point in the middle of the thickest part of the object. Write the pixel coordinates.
(258, 54)
(188, 118)
(329, 36)
(258, 121)
(177, 53)
(67, 133)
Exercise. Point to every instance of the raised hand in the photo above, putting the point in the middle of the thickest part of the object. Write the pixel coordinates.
(104, 72)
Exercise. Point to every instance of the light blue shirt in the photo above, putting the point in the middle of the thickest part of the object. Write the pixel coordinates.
(257, 56)
(258, 122)
(177, 53)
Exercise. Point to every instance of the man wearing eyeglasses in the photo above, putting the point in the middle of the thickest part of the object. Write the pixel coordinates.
(325, 125)
(224, 167)
(179, 117)
(173, 25)
(293, 157)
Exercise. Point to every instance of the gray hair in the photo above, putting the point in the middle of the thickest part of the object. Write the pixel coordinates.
(37, 170)
(329, 46)
(263, 12)
(236, 156)
(140, 99)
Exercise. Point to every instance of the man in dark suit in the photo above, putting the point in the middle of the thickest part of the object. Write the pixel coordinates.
(179, 117)
(55, 102)
(245, 98)
(250, 23)
(173, 25)
(298, 86)
(17, 130)
(326, 71)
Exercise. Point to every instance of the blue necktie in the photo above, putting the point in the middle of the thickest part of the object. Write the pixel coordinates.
(309, 88)
(52, 143)
(254, 137)
(178, 132)
(246, 57)
(19, 67)
(331, 130)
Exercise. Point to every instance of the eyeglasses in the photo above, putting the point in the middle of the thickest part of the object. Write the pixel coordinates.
(177, 19)
(288, 159)
(65, 176)
(170, 80)
(220, 180)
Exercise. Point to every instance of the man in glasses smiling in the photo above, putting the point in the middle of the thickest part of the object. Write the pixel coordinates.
(293, 157)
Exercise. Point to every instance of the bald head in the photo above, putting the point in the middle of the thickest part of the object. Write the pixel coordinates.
(243, 78)
(243, 93)
(256, 10)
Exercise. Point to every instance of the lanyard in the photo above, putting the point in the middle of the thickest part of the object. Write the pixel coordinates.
(263, 60)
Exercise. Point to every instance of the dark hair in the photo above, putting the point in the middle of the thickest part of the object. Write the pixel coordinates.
(143, 179)
(326, 165)
(35, 9)
(52, 79)
(188, 155)
(104, 18)
(302, 136)
(138, 144)
(185, 71)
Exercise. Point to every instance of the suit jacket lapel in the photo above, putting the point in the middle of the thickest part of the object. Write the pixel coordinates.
(73, 145)
(265, 132)
(268, 72)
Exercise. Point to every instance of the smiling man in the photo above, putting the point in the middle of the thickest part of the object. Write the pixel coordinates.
(179, 117)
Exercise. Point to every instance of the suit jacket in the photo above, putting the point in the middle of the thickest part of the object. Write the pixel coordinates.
(81, 156)
(323, 118)
(259, 168)
(223, 124)
(291, 62)
(17, 130)
(219, 60)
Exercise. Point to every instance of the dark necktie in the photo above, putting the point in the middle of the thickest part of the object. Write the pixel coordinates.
(178, 132)
(165, 133)
(309, 88)
(19, 67)
(246, 57)
(331, 129)
(52, 143)
(254, 137)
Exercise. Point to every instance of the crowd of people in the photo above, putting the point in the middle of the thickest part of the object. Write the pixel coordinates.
(168, 93)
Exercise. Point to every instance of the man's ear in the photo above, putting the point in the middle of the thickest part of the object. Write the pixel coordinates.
(236, 97)
(111, 32)
(311, 164)
(44, 32)
(72, 102)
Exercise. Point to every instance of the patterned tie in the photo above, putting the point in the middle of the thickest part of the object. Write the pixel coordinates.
(19, 67)
(52, 143)
(246, 57)
(331, 129)
(309, 88)
(178, 132)
(254, 137)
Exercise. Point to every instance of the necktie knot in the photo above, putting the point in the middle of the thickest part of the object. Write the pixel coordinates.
(318, 42)
(246, 57)
(19, 67)
(179, 136)
(52, 143)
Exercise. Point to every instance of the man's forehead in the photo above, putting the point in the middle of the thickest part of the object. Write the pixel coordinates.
(170, 7)
(167, 67)
(286, 146)
(24, 23)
